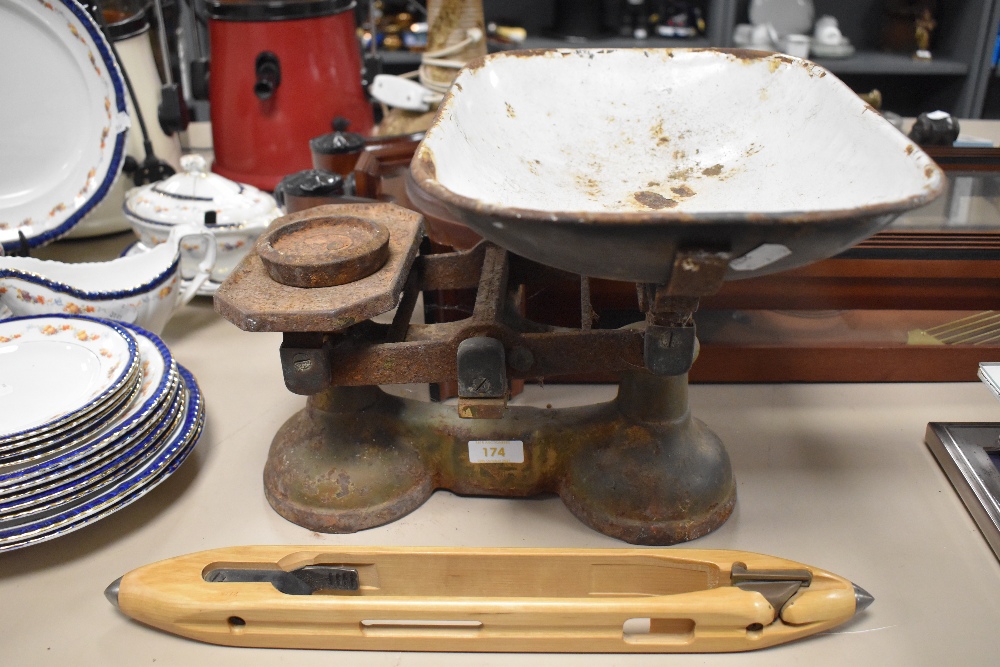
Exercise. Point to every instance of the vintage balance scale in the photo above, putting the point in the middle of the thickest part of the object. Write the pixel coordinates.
(671, 169)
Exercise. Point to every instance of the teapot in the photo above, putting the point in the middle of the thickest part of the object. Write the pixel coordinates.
(144, 290)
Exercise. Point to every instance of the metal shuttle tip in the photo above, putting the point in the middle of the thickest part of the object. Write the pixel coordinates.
(111, 592)
(862, 598)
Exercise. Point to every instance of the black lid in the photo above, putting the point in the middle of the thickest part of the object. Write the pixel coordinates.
(338, 141)
(310, 183)
(274, 10)
(125, 20)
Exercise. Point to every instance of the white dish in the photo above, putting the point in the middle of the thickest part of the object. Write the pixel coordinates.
(135, 55)
(842, 50)
(65, 118)
(194, 191)
(159, 386)
(53, 368)
(96, 460)
(207, 288)
(787, 16)
(164, 461)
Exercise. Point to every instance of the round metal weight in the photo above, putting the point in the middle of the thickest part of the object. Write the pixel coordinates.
(323, 251)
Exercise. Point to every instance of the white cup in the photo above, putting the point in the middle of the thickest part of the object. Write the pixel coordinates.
(797, 45)
(762, 37)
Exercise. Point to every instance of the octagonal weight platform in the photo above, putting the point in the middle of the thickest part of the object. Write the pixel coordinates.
(605, 162)
(253, 301)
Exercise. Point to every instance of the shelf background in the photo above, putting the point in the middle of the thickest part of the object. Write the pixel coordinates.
(955, 80)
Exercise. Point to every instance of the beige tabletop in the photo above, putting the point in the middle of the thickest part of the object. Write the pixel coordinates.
(835, 476)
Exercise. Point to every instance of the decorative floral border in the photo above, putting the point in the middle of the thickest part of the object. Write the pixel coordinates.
(267, 217)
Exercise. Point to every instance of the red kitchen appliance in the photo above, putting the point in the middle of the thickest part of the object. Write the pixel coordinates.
(281, 71)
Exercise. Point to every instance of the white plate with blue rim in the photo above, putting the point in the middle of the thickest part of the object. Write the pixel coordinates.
(61, 490)
(164, 460)
(66, 119)
(84, 425)
(148, 410)
(55, 369)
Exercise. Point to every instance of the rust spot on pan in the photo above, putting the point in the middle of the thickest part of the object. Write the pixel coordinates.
(743, 54)
(657, 132)
(481, 61)
(714, 170)
(510, 110)
(683, 191)
(929, 171)
(653, 200)
(909, 149)
(425, 164)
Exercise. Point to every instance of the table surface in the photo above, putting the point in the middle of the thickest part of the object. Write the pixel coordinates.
(835, 476)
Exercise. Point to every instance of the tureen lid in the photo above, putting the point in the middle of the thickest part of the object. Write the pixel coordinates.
(188, 195)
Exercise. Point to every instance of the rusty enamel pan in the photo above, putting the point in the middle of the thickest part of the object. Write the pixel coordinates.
(605, 162)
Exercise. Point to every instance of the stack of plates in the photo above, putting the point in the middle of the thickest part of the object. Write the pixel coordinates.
(93, 414)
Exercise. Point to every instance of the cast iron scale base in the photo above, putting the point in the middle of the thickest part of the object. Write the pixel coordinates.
(638, 468)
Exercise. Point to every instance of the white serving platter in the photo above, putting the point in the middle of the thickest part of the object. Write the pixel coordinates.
(64, 116)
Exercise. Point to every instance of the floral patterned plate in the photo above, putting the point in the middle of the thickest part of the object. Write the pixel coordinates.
(160, 385)
(64, 100)
(55, 368)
